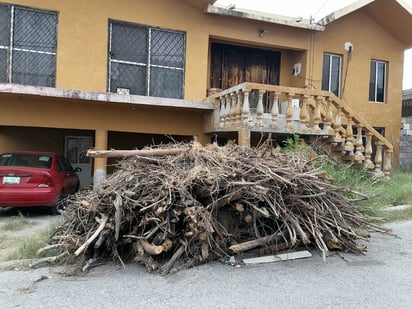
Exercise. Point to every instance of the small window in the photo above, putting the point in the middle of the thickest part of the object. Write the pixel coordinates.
(331, 73)
(377, 83)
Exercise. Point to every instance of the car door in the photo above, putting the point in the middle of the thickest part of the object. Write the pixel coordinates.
(70, 179)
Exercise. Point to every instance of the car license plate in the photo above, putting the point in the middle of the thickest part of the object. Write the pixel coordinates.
(11, 180)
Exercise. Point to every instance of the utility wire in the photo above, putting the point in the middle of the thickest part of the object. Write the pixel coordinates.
(322, 6)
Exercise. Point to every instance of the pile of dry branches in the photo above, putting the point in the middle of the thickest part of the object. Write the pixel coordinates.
(182, 205)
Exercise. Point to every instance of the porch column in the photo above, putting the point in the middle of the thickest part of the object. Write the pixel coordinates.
(243, 136)
(100, 164)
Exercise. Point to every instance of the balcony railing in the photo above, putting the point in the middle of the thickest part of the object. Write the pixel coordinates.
(279, 109)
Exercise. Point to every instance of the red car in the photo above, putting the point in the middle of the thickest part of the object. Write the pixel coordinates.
(36, 179)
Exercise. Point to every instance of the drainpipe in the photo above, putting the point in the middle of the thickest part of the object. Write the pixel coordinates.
(100, 164)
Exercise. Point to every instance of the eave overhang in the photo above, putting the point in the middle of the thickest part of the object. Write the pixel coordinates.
(395, 16)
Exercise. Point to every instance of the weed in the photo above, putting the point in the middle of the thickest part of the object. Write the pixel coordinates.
(294, 143)
(383, 192)
(31, 244)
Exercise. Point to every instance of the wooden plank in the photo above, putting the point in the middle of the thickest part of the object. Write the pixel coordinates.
(278, 257)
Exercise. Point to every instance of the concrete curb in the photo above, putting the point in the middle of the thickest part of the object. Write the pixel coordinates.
(397, 208)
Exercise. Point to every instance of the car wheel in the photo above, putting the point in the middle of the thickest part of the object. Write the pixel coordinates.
(56, 209)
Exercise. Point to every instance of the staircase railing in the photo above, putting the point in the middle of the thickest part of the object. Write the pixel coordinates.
(281, 109)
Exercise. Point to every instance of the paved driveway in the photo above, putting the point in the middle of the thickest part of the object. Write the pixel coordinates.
(380, 279)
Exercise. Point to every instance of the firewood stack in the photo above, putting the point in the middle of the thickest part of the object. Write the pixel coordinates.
(182, 205)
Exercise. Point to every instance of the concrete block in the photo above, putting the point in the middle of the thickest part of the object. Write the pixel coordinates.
(278, 257)
(397, 208)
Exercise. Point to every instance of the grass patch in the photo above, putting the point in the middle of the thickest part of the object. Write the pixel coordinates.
(394, 190)
(29, 245)
(16, 223)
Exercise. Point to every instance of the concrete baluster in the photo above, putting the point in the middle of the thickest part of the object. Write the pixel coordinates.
(222, 112)
(275, 109)
(304, 114)
(245, 108)
(378, 157)
(239, 107)
(259, 109)
(359, 149)
(368, 151)
(289, 112)
(387, 165)
(350, 141)
(337, 125)
(317, 115)
(327, 129)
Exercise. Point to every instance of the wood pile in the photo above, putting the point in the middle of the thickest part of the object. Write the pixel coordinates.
(182, 205)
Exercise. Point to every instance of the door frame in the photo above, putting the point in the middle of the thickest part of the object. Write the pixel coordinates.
(79, 158)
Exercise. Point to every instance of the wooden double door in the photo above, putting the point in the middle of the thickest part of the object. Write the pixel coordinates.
(232, 65)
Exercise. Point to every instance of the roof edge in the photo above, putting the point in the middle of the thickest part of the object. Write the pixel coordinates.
(343, 11)
(405, 5)
(407, 94)
(264, 17)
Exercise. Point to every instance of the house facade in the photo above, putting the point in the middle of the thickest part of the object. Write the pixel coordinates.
(77, 74)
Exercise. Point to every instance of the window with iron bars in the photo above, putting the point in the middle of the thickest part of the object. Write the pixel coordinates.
(28, 42)
(146, 61)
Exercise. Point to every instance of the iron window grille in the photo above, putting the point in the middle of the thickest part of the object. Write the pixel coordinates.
(28, 43)
(331, 73)
(146, 61)
(377, 83)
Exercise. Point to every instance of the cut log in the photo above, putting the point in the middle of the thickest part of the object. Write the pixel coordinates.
(93, 237)
(50, 259)
(151, 249)
(166, 268)
(138, 152)
(248, 245)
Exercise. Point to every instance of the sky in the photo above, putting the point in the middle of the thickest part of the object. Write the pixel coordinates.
(311, 8)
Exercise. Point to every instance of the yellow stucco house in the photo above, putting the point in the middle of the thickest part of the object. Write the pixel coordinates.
(106, 74)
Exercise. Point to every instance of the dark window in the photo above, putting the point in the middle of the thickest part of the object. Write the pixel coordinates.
(406, 108)
(28, 42)
(377, 81)
(331, 73)
(63, 165)
(145, 60)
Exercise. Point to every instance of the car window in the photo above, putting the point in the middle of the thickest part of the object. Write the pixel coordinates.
(63, 165)
(44, 161)
(5, 159)
(26, 160)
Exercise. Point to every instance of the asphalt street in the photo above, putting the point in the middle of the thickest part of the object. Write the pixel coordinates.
(380, 279)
